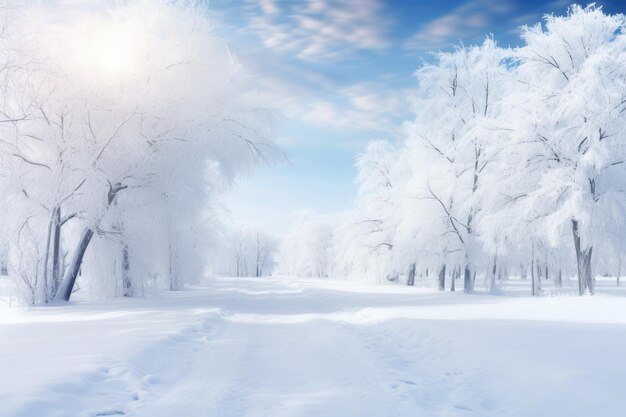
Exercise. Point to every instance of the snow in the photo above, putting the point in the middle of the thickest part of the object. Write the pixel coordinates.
(291, 347)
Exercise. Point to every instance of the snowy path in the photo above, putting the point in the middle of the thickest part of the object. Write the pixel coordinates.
(309, 348)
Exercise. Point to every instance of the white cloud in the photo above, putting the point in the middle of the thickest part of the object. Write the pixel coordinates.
(304, 95)
(362, 106)
(316, 30)
(346, 110)
(468, 20)
(373, 106)
(269, 7)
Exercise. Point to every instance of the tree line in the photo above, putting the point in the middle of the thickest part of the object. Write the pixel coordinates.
(117, 134)
(512, 165)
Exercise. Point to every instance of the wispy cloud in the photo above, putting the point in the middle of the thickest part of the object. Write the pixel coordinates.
(535, 16)
(317, 30)
(469, 20)
(361, 106)
(366, 107)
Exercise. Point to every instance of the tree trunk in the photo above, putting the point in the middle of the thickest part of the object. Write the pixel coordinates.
(533, 290)
(453, 280)
(127, 283)
(586, 281)
(66, 287)
(411, 278)
(538, 272)
(558, 280)
(468, 284)
(538, 280)
(442, 278)
(45, 293)
(56, 253)
(534, 276)
(69, 278)
(174, 281)
(491, 284)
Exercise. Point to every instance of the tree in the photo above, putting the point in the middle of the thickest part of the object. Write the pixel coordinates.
(139, 100)
(305, 250)
(249, 251)
(515, 157)
(567, 120)
(364, 243)
(264, 246)
(451, 141)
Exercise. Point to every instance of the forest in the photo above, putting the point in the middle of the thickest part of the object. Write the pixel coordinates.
(512, 167)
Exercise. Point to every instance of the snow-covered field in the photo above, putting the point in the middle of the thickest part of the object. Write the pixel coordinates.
(279, 347)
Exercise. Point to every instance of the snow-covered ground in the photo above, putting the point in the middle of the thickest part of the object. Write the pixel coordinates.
(279, 347)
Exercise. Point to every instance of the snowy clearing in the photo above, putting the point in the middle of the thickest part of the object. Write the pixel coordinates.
(279, 347)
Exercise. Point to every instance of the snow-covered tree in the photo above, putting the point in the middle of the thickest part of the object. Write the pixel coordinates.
(139, 108)
(306, 248)
(459, 97)
(567, 125)
(246, 252)
(363, 245)
(510, 154)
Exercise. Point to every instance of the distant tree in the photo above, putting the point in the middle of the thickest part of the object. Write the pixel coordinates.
(249, 251)
(305, 250)
(364, 244)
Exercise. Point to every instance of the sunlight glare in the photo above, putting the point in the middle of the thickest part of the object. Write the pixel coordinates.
(110, 50)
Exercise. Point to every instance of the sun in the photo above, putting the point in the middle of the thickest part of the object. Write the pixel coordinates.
(113, 52)
(107, 50)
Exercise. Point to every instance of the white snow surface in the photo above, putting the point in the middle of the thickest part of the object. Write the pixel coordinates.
(284, 347)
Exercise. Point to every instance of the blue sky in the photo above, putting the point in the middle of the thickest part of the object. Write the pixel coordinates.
(342, 72)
